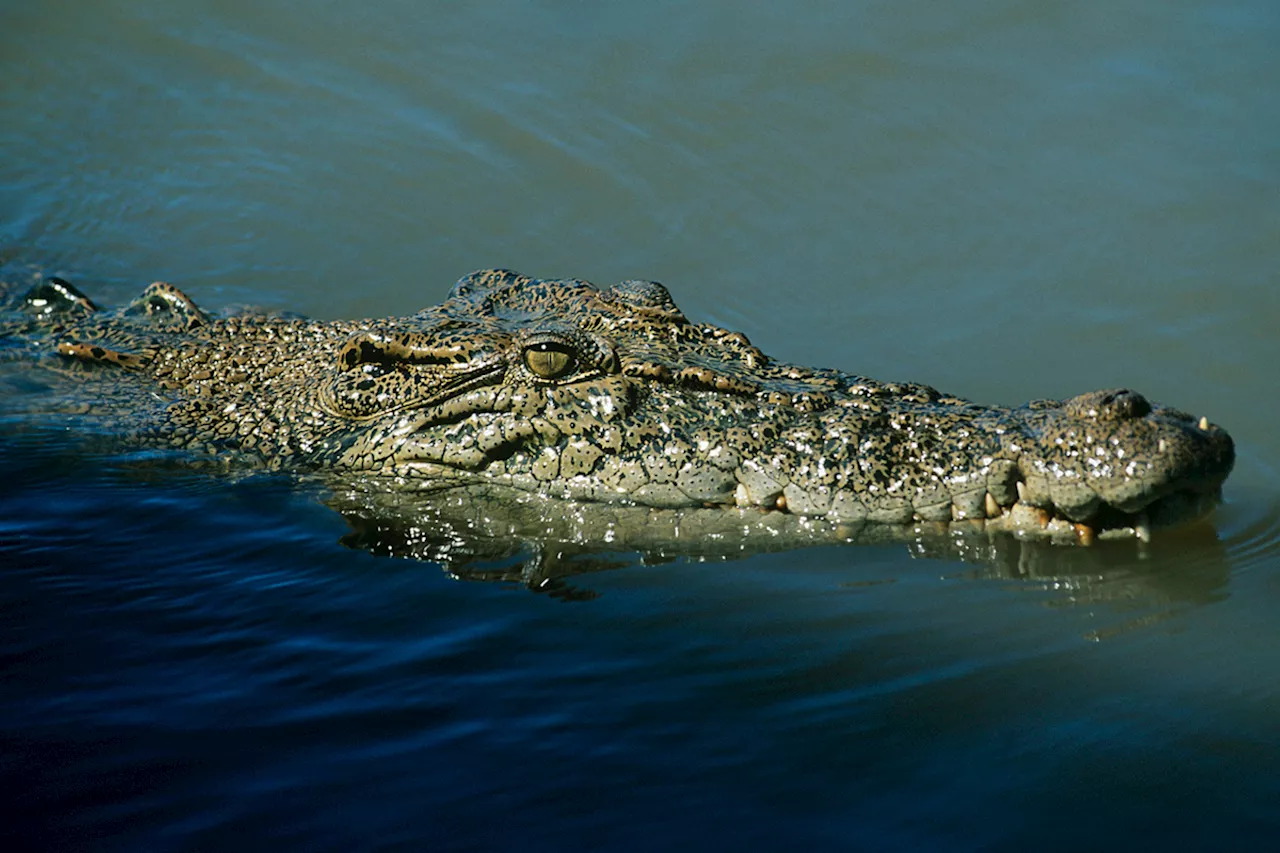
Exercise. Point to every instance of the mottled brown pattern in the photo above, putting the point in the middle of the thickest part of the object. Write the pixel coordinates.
(613, 395)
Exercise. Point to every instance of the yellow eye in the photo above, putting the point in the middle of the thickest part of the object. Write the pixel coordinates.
(549, 360)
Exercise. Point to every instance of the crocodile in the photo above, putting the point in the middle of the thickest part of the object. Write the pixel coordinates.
(572, 393)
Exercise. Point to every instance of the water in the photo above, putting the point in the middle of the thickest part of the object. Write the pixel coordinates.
(1007, 200)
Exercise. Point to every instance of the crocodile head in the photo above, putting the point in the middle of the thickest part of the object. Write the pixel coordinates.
(613, 395)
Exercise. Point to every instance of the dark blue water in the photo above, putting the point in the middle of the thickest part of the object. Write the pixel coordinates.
(1005, 199)
(195, 664)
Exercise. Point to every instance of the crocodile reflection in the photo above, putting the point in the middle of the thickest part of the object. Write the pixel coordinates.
(549, 547)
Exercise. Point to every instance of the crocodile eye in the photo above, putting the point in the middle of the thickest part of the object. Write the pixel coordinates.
(549, 360)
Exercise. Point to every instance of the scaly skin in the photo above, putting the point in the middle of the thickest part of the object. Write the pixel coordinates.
(612, 395)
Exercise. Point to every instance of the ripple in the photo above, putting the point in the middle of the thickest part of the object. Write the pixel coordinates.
(1248, 521)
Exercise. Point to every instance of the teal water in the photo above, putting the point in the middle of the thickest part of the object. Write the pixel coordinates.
(1007, 200)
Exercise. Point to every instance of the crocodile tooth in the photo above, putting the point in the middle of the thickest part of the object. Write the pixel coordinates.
(1022, 491)
(1142, 528)
(993, 508)
(1162, 445)
(1204, 424)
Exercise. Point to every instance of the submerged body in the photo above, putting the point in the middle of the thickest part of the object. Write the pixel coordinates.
(611, 395)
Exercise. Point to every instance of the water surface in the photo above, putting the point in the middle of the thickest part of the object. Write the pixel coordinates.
(1007, 200)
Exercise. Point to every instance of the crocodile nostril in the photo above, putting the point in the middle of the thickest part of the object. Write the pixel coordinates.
(1127, 404)
(1113, 404)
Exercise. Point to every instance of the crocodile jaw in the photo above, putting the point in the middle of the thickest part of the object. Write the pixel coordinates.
(1031, 495)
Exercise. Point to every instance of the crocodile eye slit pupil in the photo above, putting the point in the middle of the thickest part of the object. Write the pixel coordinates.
(548, 360)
